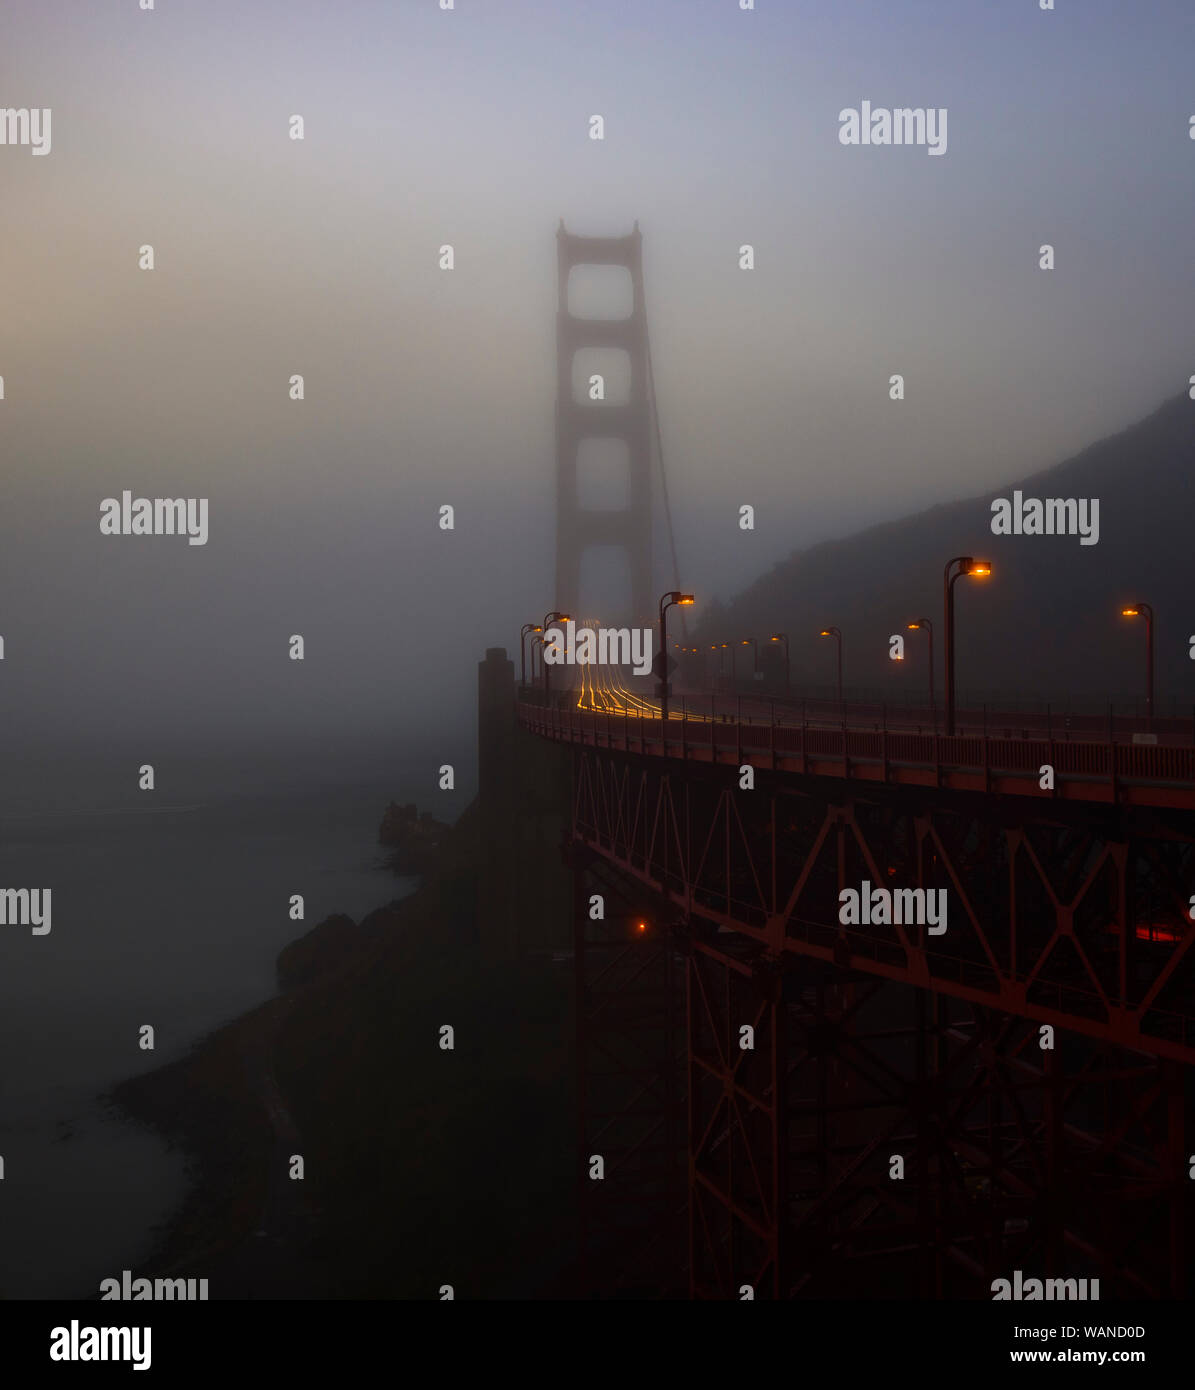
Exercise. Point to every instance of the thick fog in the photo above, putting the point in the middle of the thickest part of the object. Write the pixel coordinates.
(425, 387)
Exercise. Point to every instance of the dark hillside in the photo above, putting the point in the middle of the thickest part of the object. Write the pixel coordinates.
(1047, 621)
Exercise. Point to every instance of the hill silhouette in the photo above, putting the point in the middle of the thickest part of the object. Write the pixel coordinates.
(1046, 624)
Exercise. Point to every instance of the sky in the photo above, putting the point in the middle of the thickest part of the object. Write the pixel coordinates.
(426, 387)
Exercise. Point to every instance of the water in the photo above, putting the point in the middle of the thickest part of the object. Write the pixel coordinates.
(171, 917)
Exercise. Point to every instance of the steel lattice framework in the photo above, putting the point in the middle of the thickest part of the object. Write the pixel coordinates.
(892, 1123)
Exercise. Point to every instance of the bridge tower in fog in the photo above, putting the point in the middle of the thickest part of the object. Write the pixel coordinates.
(630, 526)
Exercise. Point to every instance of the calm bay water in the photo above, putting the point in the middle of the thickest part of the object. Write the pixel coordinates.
(171, 917)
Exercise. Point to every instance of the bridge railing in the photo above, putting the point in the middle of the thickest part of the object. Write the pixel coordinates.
(818, 744)
(1113, 721)
(989, 721)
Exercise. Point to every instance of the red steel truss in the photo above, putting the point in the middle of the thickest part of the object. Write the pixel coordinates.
(1067, 1163)
(891, 1123)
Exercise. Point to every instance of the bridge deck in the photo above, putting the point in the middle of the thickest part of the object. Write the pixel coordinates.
(1160, 775)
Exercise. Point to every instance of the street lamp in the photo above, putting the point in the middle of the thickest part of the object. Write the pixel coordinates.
(976, 569)
(527, 627)
(549, 619)
(924, 625)
(837, 633)
(783, 637)
(666, 602)
(754, 645)
(1143, 610)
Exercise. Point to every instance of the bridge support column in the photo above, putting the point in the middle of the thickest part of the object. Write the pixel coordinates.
(630, 1093)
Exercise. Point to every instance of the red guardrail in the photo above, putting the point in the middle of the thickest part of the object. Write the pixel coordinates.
(1106, 763)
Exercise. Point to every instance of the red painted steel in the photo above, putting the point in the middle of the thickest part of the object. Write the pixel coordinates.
(1129, 774)
(1070, 920)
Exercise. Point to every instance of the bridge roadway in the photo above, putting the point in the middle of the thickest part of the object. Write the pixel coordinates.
(1093, 757)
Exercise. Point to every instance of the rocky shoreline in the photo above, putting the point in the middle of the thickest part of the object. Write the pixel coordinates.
(206, 1104)
(387, 1123)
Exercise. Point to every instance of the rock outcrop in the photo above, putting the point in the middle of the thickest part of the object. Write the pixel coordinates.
(414, 838)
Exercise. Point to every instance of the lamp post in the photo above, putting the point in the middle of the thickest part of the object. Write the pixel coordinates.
(836, 633)
(783, 637)
(549, 619)
(527, 627)
(734, 672)
(1143, 610)
(537, 645)
(924, 625)
(666, 602)
(754, 645)
(976, 569)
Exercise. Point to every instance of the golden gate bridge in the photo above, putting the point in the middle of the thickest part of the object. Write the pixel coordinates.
(788, 1105)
